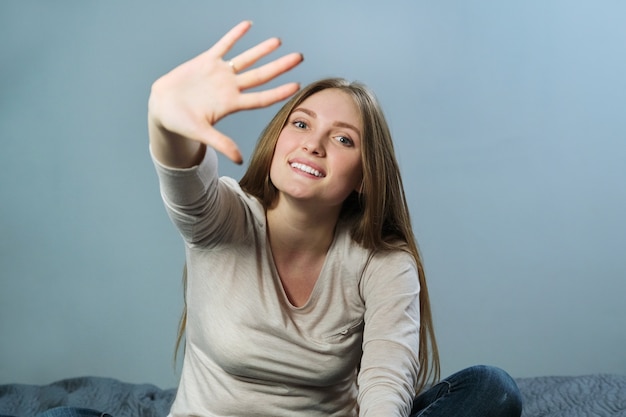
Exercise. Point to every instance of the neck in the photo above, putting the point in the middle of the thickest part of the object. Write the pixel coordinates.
(296, 230)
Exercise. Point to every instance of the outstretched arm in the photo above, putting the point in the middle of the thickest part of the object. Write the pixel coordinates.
(186, 103)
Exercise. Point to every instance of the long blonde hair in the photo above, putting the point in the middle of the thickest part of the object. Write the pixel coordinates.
(378, 214)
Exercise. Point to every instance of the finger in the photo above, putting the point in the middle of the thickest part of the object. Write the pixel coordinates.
(269, 71)
(227, 41)
(248, 58)
(266, 98)
(212, 137)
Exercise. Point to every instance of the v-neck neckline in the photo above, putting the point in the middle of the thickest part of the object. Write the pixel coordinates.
(319, 281)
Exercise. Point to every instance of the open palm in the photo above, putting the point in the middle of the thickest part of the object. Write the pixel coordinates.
(190, 99)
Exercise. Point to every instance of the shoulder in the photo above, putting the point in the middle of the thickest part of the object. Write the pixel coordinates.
(393, 259)
(252, 203)
(390, 271)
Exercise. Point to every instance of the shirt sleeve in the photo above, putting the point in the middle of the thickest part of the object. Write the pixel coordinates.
(204, 208)
(390, 364)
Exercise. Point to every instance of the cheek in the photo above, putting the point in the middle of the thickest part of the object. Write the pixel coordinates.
(352, 174)
(281, 147)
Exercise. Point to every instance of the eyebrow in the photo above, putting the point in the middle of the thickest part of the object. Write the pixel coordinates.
(336, 123)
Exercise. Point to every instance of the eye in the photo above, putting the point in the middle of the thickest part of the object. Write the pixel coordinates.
(299, 124)
(344, 140)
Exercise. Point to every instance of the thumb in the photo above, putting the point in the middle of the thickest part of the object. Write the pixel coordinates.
(220, 142)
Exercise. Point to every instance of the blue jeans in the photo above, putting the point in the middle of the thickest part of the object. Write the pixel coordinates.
(483, 391)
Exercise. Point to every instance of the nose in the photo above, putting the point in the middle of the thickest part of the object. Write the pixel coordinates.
(314, 145)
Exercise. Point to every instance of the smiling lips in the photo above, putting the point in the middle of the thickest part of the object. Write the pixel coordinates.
(307, 169)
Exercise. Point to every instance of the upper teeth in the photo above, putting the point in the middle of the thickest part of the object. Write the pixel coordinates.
(307, 169)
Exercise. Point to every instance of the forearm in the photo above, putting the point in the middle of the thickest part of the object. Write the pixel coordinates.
(386, 380)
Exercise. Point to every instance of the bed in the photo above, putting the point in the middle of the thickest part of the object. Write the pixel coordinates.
(578, 396)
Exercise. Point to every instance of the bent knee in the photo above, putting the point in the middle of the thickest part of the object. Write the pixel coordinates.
(501, 387)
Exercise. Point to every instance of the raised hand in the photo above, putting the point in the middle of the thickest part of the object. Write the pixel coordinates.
(186, 103)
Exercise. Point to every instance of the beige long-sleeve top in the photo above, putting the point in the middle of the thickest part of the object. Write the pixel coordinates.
(351, 350)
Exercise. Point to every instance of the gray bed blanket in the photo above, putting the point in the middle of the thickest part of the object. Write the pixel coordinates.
(582, 396)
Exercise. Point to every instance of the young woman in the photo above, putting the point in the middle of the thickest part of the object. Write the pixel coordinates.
(305, 293)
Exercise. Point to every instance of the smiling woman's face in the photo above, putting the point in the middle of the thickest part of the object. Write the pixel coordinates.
(318, 152)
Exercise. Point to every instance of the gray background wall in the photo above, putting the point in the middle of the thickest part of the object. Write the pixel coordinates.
(510, 129)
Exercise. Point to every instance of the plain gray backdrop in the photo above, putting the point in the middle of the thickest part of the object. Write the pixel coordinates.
(510, 128)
